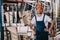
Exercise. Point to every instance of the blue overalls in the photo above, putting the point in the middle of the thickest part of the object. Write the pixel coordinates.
(40, 33)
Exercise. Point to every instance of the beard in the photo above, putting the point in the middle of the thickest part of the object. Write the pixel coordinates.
(39, 12)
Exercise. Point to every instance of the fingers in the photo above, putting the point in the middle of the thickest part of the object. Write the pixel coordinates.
(49, 31)
(33, 31)
(46, 30)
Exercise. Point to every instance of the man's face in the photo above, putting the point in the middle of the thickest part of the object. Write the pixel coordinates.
(39, 11)
(39, 8)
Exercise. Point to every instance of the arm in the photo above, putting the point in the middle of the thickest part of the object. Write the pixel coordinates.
(31, 27)
(48, 19)
(52, 24)
(32, 23)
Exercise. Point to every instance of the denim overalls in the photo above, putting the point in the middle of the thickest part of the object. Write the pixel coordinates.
(40, 33)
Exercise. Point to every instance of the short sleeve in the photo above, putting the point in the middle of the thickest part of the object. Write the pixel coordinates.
(48, 18)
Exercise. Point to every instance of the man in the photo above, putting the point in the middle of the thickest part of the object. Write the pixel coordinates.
(40, 23)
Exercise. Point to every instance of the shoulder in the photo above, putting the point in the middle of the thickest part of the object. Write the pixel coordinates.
(46, 16)
(33, 18)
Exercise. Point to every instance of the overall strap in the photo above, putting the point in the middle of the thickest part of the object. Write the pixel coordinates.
(35, 18)
(43, 17)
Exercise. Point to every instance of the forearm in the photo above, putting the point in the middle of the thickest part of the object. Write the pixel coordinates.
(52, 25)
(32, 29)
(31, 26)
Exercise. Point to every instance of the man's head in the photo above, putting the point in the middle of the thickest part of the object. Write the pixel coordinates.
(39, 8)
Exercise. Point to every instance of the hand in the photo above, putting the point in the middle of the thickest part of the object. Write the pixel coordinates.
(33, 31)
(46, 30)
(50, 30)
